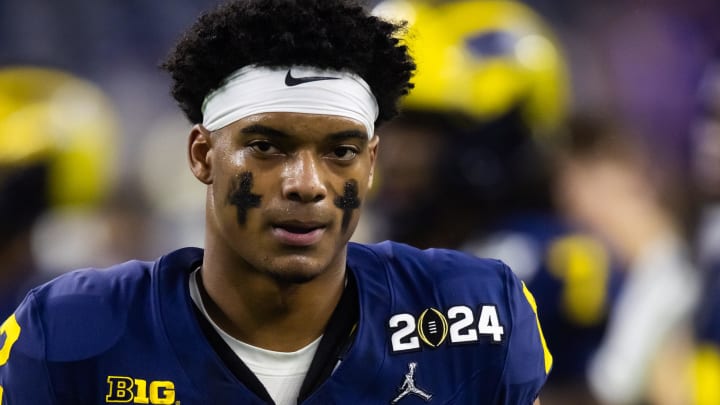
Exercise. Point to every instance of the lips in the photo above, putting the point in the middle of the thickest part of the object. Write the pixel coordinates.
(297, 233)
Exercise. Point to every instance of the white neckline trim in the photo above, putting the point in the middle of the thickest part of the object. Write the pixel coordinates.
(260, 361)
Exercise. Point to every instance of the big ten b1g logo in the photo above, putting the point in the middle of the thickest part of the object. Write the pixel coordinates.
(123, 389)
(9, 334)
(460, 323)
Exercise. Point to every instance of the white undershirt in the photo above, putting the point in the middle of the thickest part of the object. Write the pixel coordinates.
(282, 373)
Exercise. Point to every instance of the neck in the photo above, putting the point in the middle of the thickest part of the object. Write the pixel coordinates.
(263, 311)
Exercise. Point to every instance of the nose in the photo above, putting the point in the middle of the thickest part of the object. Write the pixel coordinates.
(303, 180)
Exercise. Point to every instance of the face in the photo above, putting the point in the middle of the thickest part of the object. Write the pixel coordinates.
(284, 190)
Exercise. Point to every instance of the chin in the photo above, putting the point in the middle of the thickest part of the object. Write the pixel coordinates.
(292, 277)
(295, 270)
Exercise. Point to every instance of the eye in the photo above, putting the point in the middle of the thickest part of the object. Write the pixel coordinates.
(344, 153)
(264, 147)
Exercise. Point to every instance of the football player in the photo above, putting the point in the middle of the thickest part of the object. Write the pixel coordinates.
(705, 360)
(56, 136)
(490, 103)
(610, 185)
(279, 307)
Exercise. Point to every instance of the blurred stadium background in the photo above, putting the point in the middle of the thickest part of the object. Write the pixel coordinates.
(641, 60)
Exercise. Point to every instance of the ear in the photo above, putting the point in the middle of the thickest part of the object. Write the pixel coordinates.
(200, 153)
(373, 148)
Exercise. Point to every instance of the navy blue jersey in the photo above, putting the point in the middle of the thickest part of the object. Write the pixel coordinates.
(707, 322)
(573, 277)
(434, 326)
(706, 360)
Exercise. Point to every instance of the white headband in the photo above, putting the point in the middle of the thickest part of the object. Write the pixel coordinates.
(253, 90)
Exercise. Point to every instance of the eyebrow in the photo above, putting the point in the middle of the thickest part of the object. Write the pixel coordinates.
(349, 134)
(263, 130)
(274, 133)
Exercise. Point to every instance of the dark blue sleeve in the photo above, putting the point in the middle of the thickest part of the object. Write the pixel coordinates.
(24, 377)
(528, 360)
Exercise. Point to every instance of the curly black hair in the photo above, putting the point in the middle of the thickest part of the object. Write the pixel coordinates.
(327, 34)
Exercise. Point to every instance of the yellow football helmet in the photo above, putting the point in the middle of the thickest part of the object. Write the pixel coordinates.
(69, 123)
(483, 58)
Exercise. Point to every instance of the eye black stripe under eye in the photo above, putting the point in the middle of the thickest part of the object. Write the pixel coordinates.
(348, 202)
(242, 197)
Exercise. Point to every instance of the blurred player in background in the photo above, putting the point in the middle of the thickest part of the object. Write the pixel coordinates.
(56, 147)
(490, 100)
(609, 183)
(705, 172)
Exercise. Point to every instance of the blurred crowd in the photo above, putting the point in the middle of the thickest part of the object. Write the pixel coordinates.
(577, 141)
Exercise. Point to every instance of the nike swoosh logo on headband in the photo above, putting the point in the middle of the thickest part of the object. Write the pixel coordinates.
(294, 81)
